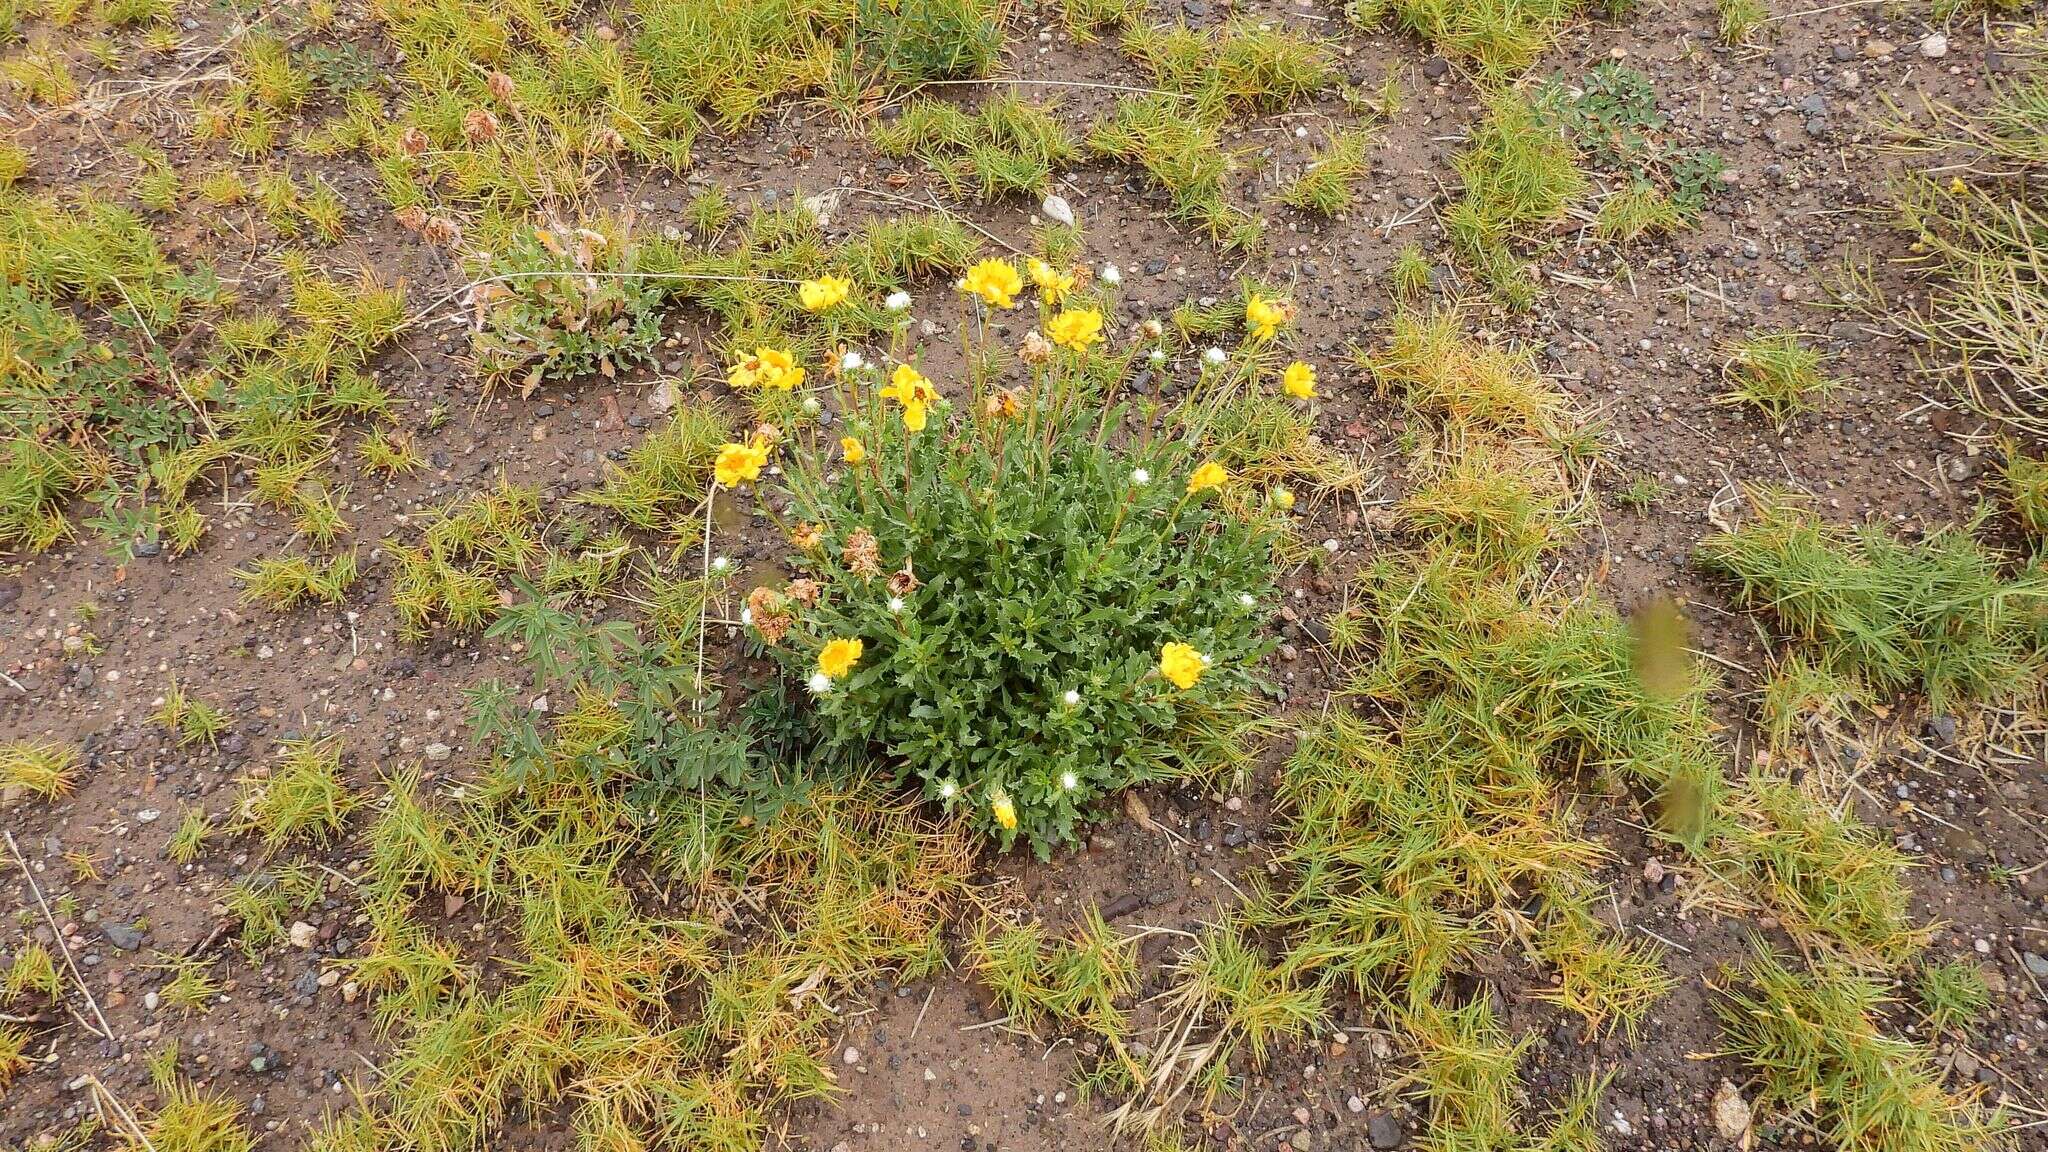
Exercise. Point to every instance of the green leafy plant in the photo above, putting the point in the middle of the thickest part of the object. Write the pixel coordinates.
(912, 41)
(1008, 585)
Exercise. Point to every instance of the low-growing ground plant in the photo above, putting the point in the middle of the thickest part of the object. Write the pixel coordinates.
(1937, 616)
(1330, 183)
(1242, 65)
(1814, 1039)
(1519, 174)
(1953, 994)
(1006, 147)
(2025, 480)
(301, 798)
(1777, 374)
(1016, 609)
(39, 767)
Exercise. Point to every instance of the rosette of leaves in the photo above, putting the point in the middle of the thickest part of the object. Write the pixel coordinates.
(561, 305)
(1012, 573)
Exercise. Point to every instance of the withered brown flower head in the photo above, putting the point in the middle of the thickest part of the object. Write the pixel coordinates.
(904, 582)
(479, 125)
(606, 139)
(863, 555)
(770, 612)
(804, 591)
(412, 217)
(442, 230)
(807, 536)
(501, 86)
(1036, 349)
(412, 141)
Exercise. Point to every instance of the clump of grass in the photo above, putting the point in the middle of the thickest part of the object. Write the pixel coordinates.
(1500, 39)
(1815, 1042)
(1741, 19)
(2025, 480)
(665, 472)
(191, 988)
(192, 1120)
(1801, 695)
(1007, 147)
(1636, 211)
(260, 904)
(1935, 615)
(303, 798)
(34, 970)
(190, 838)
(1330, 183)
(45, 769)
(1411, 276)
(1240, 66)
(1086, 20)
(284, 582)
(1519, 175)
(1181, 153)
(1834, 882)
(14, 1041)
(1075, 982)
(14, 164)
(913, 41)
(191, 721)
(1642, 493)
(451, 576)
(1776, 373)
(1952, 994)
(392, 455)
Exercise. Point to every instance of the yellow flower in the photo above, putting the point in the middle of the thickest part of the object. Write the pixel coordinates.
(1282, 498)
(995, 281)
(854, 450)
(908, 387)
(1210, 475)
(825, 293)
(1005, 811)
(1076, 329)
(1956, 185)
(1264, 317)
(766, 368)
(838, 657)
(740, 463)
(1299, 381)
(1053, 284)
(1182, 664)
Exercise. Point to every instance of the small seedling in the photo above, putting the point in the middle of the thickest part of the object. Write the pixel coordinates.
(34, 971)
(190, 838)
(192, 721)
(1330, 183)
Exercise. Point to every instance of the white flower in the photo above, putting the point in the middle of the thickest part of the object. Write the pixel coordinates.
(852, 362)
(897, 302)
(1215, 356)
(720, 563)
(1157, 357)
(1247, 599)
(1072, 697)
(746, 615)
(895, 603)
(948, 789)
(1140, 477)
(1069, 781)
(1111, 274)
(819, 684)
